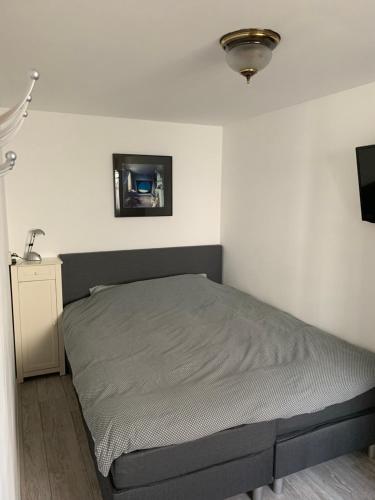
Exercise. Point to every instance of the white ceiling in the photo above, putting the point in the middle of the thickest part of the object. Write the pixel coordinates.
(160, 59)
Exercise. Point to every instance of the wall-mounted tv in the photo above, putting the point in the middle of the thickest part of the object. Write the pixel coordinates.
(366, 177)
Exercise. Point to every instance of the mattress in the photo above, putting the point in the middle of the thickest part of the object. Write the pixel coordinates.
(174, 360)
(143, 467)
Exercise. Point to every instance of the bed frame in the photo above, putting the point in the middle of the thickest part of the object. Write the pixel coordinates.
(289, 453)
(80, 271)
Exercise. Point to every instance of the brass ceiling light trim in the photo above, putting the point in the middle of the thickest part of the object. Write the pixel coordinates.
(250, 34)
(248, 73)
(249, 50)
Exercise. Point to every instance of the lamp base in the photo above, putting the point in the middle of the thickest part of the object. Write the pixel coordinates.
(33, 257)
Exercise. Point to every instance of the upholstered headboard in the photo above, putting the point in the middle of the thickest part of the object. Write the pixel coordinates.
(80, 271)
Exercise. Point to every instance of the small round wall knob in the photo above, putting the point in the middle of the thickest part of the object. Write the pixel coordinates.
(11, 157)
(29, 98)
(34, 74)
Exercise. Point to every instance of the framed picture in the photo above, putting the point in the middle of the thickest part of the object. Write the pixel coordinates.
(142, 185)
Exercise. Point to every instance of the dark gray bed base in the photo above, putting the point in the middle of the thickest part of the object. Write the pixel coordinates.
(80, 271)
(300, 450)
(246, 474)
(291, 452)
(215, 483)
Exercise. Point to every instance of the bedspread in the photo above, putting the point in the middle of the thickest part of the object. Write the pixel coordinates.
(169, 360)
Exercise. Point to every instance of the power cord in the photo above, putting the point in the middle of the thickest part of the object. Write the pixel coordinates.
(14, 256)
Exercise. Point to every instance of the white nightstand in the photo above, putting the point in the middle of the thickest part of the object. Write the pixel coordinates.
(37, 308)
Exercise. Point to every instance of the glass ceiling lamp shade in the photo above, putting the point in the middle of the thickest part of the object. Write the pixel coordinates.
(249, 50)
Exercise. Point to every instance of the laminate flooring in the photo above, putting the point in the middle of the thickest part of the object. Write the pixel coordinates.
(56, 463)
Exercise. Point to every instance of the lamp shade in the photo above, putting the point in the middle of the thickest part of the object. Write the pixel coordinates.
(248, 56)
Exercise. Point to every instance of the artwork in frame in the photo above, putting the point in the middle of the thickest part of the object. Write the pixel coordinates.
(142, 185)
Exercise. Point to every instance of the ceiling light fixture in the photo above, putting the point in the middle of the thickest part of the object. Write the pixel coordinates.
(249, 50)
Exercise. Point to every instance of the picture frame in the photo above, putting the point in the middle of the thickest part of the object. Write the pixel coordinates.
(142, 185)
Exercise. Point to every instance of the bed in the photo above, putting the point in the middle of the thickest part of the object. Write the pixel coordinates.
(216, 457)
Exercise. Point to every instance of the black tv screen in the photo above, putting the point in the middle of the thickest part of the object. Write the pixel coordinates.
(366, 177)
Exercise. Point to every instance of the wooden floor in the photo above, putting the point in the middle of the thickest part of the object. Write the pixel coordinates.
(56, 463)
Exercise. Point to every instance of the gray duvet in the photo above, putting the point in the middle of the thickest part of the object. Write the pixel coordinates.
(170, 360)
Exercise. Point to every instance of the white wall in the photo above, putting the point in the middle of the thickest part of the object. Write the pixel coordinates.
(9, 486)
(62, 183)
(291, 223)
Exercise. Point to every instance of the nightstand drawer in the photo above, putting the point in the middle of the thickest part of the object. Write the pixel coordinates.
(36, 273)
